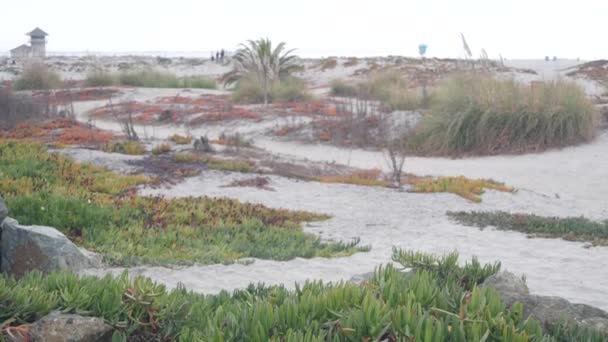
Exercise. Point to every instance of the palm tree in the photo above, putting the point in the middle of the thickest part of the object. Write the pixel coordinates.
(266, 64)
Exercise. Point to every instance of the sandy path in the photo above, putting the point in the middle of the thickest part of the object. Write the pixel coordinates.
(576, 174)
(384, 218)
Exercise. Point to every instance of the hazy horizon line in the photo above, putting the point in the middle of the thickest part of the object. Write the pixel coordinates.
(303, 53)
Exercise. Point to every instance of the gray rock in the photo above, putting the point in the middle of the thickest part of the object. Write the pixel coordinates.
(3, 210)
(511, 287)
(28, 248)
(58, 327)
(360, 278)
(596, 323)
(546, 309)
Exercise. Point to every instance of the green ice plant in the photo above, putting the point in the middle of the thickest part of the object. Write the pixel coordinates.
(423, 299)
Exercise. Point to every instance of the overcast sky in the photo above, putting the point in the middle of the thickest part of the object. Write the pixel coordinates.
(513, 28)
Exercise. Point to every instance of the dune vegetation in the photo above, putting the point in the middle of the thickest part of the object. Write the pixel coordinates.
(162, 148)
(262, 74)
(437, 300)
(101, 211)
(569, 228)
(290, 89)
(390, 89)
(482, 115)
(471, 189)
(180, 139)
(147, 78)
(37, 76)
(125, 147)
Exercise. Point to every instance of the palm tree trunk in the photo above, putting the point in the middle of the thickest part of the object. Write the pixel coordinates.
(265, 91)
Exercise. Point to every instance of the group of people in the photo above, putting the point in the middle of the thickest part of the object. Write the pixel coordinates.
(218, 57)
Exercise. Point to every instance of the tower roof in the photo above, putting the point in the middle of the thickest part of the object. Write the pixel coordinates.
(21, 47)
(37, 32)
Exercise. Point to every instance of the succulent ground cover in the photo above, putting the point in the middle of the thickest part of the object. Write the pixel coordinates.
(418, 298)
(101, 211)
(569, 228)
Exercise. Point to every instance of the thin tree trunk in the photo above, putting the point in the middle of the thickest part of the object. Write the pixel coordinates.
(265, 91)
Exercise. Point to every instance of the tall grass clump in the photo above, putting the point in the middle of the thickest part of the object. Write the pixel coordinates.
(147, 78)
(100, 78)
(342, 88)
(477, 114)
(390, 89)
(290, 89)
(198, 82)
(438, 300)
(37, 76)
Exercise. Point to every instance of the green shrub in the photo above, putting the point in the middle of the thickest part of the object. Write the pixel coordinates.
(180, 139)
(342, 88)
(570, 228)
(475, 114)
(290, 89)
(37, 76)
(100, 78)
(436, 301)
(390, 89)
(198, 82)
(161, 149)
(187, 157)
(125, 147)
(149, 78)
(248, 90)
(230, 165)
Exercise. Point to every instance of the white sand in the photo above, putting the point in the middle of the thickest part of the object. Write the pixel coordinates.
(384, 218)
(567, 182)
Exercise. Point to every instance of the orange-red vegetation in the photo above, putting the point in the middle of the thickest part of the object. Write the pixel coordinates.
(61, 131)
(178, 109)
(319, 107)
(362, 177)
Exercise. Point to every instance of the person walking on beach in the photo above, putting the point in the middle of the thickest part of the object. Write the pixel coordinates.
(222, 55)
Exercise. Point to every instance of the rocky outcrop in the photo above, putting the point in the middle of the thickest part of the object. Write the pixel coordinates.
(3, 210)
(546, 309)
(361, 278)
(58, 327)
(29, 248)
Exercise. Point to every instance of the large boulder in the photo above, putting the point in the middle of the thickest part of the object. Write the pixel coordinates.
(3, 210)
(546, 309)
(29, 248)
(58, 327)
(511, 288)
